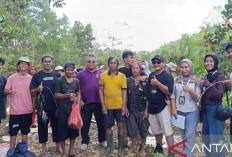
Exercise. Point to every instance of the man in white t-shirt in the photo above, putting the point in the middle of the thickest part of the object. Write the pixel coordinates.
(21, 107)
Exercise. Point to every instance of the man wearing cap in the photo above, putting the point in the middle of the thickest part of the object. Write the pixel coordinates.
(171, 67)
(66, 91)
(44, 82)
(59, 69)
(21, 107)
(2, 95)
(160, 86)
(90, 101)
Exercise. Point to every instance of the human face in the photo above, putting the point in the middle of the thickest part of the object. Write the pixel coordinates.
(168, 69)
(0, 65)
(60, 71)
(23, 66)
(47, 63)
(69, 72)
(129, 60)
(229, 54)
(113, 64)
(32, 70)
(103, 69)
(136, 70)
(158, 65)
(184, 69)
(209, 63)
(91, 63)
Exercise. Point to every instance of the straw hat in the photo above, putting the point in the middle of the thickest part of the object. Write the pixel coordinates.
(57, 68)
(172, 66)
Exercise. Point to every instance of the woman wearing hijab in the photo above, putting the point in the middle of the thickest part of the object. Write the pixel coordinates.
(32, 70)
(212, 130)
(183, 99)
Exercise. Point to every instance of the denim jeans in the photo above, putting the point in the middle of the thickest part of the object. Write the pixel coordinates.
(212, 131)
(189, 133)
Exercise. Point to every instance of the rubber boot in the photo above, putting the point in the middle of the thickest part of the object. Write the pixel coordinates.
(109, 139)
(120, 146)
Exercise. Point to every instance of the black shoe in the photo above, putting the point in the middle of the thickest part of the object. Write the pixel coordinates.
(158, 149)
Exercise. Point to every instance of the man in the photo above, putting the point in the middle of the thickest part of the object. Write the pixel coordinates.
(66, 91)
(160, 85)
(112, 90)
(44, 82)
(2, 95)
(128, 58)
(90, 102)
(21, 107)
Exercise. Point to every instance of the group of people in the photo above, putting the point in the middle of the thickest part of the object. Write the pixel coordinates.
(131, 95)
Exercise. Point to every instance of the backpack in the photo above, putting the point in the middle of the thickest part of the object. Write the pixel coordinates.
(21, 150)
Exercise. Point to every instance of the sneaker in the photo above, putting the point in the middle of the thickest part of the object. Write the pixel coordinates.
(83, 146)
(103, 144)
(158, 149)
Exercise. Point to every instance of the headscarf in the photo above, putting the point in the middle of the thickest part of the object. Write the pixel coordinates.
(146, 68)
(190, 77)
(212, 74)
(32, 66)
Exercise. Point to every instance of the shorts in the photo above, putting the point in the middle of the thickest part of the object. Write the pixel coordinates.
(136, 123)
(111, 116)
(161, 122)
(65, 132)
(20, 122)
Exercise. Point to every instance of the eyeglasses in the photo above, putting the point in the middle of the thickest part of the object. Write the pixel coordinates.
(156, 62)
(91, 61)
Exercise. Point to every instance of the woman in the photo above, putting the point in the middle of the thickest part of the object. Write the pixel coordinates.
(183, 99)
(138, 109)
(32, 70)
(212, 131)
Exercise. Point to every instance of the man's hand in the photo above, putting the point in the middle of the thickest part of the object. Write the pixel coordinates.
(82, 104)
(13, 91)
(228, 83)
(146, 114)
(104, 110)
(154, 81)
(125, 112)
(174, 112)
(40, 88)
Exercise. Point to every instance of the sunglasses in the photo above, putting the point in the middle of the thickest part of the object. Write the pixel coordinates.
(91, 61)
(156, 62)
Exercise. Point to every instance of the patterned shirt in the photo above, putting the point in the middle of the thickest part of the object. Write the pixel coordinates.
(137, 95)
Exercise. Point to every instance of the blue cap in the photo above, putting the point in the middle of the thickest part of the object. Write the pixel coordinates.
(45, 56)
(69, 65)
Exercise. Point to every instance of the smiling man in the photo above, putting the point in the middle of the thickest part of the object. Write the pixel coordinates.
(47, 78)
(160, 87)
(21, 107)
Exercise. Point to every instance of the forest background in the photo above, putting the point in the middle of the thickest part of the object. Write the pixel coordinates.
(31, 28)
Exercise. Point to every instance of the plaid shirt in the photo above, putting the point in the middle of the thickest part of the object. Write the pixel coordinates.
(137, 95)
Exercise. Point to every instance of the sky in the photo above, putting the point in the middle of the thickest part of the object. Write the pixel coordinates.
(139, 25)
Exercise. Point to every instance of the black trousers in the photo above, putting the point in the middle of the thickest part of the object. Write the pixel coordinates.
(43, 127)
(86, 114)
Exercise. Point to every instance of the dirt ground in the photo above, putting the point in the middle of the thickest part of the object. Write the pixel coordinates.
(94, 149)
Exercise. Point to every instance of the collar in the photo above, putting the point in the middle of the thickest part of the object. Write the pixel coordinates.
(109, 73)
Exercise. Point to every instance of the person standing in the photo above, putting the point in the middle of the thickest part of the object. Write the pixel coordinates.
(21, 107)
(66, 91)
(3, 97)
(212, 129)
(160, 86)
(186, 92)
(137, 106)
(44, 82)
(90, 101)
(112, 90)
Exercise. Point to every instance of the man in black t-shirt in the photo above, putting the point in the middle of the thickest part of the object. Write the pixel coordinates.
(2, 95)
(44, 82)
(160, 86)
(67, 89)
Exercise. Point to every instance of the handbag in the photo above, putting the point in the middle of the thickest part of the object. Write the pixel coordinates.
(223, 113)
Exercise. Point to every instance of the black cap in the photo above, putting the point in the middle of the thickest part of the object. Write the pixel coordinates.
(2, 61)
(158, 57)
(45, 56)
(69, 65)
